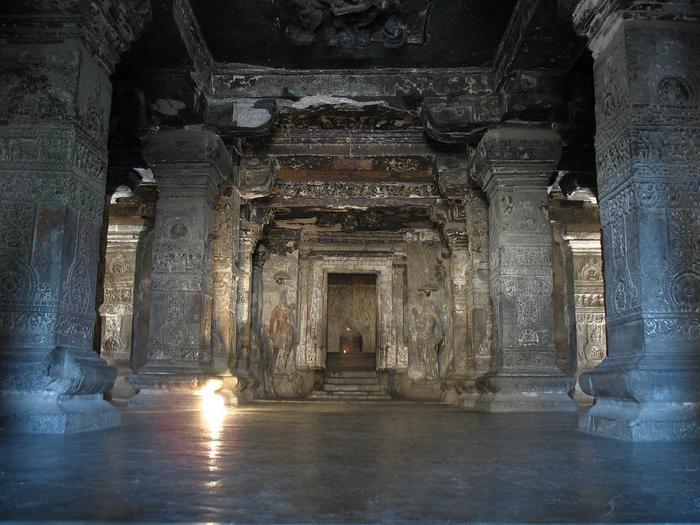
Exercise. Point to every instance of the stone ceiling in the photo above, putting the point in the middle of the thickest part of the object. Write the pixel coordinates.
(329, 34)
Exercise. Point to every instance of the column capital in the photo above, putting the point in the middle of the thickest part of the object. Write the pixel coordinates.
(518, 156)
(250, 232)
(187, 150)
(598, 20)
(583, 242)
(106, 27)
(456, 233)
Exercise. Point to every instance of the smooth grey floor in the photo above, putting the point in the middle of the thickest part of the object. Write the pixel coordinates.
(346, 463)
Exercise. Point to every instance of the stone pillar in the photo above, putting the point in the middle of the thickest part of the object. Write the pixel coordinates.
(249, 235)
(648, 123)
(188, 165)
(478, 295)
(478, 298)
(226, 211)
(513, 165)
(55, 98)
(117, 309)
(463, 355)
(587, 267)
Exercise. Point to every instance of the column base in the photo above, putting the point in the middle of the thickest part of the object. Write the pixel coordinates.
(468, 396)
(167, 391)
(122, 389)
(632, 421)
(642, 404)
(46, 413)
(582, 399)
(519, 393)
(184, 391)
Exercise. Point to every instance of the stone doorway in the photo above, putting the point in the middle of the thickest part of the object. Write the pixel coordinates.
(351, 322)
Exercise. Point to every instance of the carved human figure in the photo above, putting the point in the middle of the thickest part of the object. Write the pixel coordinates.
(428, 334)
(281, 332)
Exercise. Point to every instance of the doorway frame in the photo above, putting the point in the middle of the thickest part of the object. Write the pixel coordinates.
(391, 350)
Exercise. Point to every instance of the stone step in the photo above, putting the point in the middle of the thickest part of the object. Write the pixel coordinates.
(352, 388)
(351, 380)
(351, 373)
(348, 396)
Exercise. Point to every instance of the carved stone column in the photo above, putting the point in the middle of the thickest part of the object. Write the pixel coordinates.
(478, 297)
(188, 166)
(587, 266)
(226, 218)
(55, 98)
(249, 235)
(648, 123)
(513, 165)
(463, 355)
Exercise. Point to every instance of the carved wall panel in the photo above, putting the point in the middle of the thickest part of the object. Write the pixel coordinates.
(117, 308)
(429, 295)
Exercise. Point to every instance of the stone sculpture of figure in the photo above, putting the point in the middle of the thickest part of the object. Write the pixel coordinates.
(281, 332)
(428, 336)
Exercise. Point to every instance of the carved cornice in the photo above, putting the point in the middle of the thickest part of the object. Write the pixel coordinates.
(598, 19)
(186, 150)
(107, 27)
(522, 155)
(320, 190)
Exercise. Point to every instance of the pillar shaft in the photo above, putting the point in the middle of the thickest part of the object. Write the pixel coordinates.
(250, 234)
(55, 98)
(514, 165)
(188, 166)
(478, 295)
(463, 355)
(647, 116)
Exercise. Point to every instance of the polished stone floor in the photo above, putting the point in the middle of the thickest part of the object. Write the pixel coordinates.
(346, 463)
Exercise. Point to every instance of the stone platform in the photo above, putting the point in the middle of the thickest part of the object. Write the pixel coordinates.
(323, 463)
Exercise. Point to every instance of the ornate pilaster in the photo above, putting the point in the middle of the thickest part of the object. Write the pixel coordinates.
(188, 166)
(647, 117)
(117, 308)
(589, 305)
(55, 97)
(513, 165)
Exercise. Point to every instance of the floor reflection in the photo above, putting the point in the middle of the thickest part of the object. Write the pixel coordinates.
(213, 414)
(331, 463)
